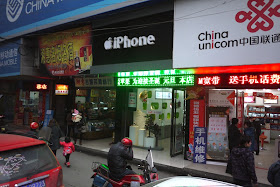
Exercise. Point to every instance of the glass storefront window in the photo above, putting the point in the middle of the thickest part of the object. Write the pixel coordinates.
(155, 103)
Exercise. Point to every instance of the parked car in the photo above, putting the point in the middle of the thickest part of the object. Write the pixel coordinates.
(28, 162)
(188, 181)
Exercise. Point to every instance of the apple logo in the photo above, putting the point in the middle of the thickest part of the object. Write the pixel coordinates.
(108, 44)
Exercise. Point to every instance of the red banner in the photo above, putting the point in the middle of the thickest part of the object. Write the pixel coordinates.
(197, 110)
(240, 111)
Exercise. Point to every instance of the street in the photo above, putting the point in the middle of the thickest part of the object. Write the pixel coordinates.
(78, 175)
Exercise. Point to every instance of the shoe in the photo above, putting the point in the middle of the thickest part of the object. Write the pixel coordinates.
(65, 163)
(68, 164)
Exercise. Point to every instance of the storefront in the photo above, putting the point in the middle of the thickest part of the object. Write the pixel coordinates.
(24, 88)
(234, 58)
(96, 98)
(156, 107)
(135, 49)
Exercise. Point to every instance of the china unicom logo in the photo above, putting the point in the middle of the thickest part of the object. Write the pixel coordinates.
(13, 9)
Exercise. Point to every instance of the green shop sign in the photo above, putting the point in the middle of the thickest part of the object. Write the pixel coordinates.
(183, 80)
(156, 73)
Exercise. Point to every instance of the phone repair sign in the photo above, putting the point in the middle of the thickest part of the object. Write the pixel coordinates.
(226, 33)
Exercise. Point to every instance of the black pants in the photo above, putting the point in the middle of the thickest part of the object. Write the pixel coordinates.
(242, 183)
(258, 144)
(67, 157)
(71, 128)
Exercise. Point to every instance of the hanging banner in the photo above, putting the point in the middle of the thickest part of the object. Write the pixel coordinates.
(240, 110)
(200, 149)
(68, 52)
(197, 110)
(217, 124)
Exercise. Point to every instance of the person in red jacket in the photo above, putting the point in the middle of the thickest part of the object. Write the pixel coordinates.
(68, 148)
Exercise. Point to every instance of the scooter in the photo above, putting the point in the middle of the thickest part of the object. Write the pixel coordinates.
(101, 174)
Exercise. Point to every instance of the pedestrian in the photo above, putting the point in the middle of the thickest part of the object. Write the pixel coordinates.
(273, 175)
(56, 134)
(258, 131)
(233, 134)
(68, 149)
(77, 119)
(249, 130)
(70, 124)
(243, 164)
(234, 138)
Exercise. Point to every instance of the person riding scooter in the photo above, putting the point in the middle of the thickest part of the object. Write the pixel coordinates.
(33, 130)
(117, 156)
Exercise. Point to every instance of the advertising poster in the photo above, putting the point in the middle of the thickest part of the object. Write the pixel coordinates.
(197, 110)
(68, 52)
(223, 98)
(217, 124)
(200, 148)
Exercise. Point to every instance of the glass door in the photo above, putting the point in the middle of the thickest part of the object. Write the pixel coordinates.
(178, 121)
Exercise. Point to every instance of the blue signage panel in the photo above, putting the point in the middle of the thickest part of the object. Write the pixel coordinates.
(24, 16)
(9, 59)
(200, 145)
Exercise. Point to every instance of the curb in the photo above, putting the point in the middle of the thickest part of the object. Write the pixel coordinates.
(171, 169)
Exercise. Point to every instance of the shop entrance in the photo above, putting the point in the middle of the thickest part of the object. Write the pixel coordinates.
(178, 122)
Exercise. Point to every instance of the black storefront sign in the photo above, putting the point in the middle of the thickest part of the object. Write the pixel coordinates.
(144, 39)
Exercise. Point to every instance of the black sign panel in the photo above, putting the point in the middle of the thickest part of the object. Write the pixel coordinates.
(144, 39)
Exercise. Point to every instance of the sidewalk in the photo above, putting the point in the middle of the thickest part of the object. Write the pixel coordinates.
(179, 166)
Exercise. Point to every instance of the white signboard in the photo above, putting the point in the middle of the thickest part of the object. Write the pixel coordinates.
(225, 33)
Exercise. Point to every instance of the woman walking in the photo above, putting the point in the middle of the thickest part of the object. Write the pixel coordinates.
(55, 135)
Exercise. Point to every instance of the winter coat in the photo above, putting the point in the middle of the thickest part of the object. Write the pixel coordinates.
(56, 134)
(68, 148)
(117, 156)
(233, 136)
(243, 164)
(250, 131)
(69, 121)
(273, 175)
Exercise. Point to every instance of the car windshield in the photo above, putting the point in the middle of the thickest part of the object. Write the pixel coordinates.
(25, 162)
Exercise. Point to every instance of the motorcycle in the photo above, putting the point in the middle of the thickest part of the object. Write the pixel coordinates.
(101, 174)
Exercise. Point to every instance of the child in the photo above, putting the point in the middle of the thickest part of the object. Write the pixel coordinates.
(68, 148)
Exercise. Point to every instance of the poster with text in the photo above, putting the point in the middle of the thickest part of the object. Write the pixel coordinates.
(197, 111)
(217, 141)
(67, 52)
(223, 98)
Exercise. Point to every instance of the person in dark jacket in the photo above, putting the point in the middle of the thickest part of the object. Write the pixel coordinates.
(55, 135)
(234, 138)
(117, 156)
(250, 131)
(243, 164)
(273, 175)
(233, 134)
(258, 128)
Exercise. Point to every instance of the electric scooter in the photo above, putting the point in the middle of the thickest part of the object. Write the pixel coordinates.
(101, 174)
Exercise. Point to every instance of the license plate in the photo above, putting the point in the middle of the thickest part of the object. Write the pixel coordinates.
(36, 184)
